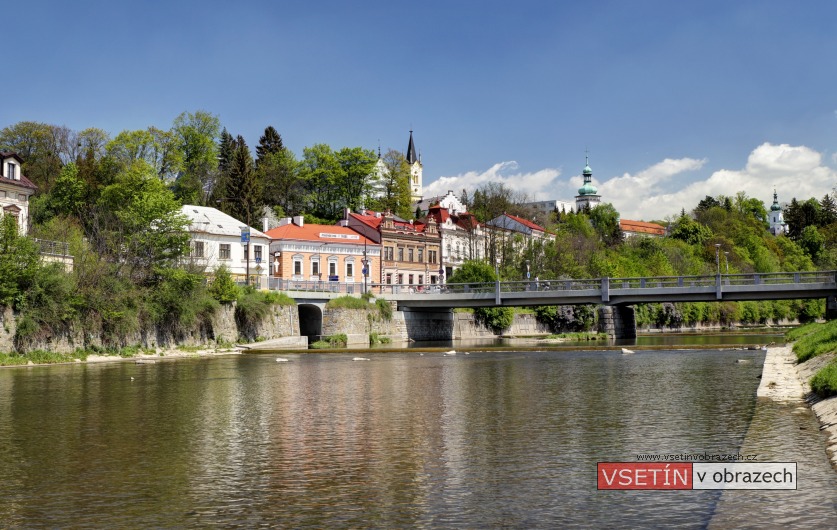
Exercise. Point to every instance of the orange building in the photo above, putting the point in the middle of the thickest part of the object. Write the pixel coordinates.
(313, 256)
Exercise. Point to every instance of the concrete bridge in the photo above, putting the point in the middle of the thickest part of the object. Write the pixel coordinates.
(616, 295)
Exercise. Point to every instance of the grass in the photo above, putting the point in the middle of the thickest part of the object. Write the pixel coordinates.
(333, 341)
(347, 302)
(579, 336)
(824, 382)
(812, 340)
(41, 357)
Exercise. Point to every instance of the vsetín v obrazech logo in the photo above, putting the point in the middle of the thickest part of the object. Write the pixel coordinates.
(696, 476)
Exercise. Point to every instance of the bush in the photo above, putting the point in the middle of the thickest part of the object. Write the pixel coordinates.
(824, 382)
(222, 287)
(333, 341)
(497, 319)
(347, 302)
(384, 309)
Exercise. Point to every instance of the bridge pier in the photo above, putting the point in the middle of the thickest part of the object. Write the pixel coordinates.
(618, 321)
(831, 308)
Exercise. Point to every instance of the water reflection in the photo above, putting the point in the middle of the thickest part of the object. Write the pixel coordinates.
(413, 439)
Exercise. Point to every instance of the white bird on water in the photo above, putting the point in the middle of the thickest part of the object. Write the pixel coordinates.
(626, 351)
(360, 359)
(451, 352)
(282, 360)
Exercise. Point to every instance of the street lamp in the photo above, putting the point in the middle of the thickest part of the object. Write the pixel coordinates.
(245, 235)
(718, 258)
(365, 269)
(726, 260)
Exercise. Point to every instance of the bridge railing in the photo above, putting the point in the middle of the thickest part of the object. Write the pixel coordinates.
(280, 284)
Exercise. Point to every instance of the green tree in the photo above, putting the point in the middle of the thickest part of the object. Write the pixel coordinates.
(195, 135)
(19, 262)
(394, 185)
(279, 174)
(352, 181)
(269, 143)
(138, 225)
(605, 220)
(319, 169)
(244, 199)
(690, 231)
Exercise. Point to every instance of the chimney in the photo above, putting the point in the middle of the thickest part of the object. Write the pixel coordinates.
(284, 221)
(264, 224)
(299, 220)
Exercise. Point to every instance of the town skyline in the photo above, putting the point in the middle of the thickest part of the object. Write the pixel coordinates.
(673, 102)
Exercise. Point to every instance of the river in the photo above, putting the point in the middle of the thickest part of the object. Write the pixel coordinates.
(406, 439)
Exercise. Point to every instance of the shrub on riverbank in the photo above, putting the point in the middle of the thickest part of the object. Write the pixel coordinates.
(347, 302)
(333, 341)
(824, 382)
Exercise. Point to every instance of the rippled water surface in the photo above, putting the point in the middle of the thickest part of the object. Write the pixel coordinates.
(490, 439)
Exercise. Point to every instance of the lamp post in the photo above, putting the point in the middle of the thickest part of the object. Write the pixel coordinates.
(726, 260)
(527, 274)
(718, 258)
(365, 269)
(497, 280)
(245, 235)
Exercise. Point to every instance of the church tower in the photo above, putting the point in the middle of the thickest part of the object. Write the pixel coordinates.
(777, 220)
(415, 171)
(587, 194)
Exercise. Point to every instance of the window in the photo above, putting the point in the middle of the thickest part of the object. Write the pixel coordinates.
(315, 267)
(421, 279)
(410, 255)
(332, 268)
(350, 270)
(257, 253)
(431, 255)
(410, 279)
(400, 279)
(388, 253)
(198, 250)
(224, 251)
(421, 255)
(400, 254)
(11, 171)
(389, 278)
(298, 267)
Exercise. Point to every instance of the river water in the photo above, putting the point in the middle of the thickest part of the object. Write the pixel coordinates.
(407, 439)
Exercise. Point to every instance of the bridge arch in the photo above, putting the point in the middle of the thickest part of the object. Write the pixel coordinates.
(310, 321)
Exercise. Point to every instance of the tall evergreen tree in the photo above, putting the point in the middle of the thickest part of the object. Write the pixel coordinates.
(269, 143)
(243, 200)
(828, 211)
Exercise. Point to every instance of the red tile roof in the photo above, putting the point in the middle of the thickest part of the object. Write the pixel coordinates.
(319, 233)
(641, 227)
(525, 223)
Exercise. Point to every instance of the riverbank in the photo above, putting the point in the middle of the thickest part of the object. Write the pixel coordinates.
(160, 354)
(785, 381)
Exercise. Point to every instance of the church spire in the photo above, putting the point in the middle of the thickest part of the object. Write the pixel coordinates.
(411, 151)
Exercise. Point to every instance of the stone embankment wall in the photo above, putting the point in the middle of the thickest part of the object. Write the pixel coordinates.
(282, 321)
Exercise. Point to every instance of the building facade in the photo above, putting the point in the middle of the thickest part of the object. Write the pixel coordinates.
(588, 197)
(15, 190)
(410, 250)
(462, 238)
(319, 256)
(218, 239)
(776, 219)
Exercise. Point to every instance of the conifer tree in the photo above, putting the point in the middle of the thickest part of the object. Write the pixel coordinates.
(269, 143)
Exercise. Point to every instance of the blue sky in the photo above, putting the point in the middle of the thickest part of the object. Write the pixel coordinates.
(674, 100)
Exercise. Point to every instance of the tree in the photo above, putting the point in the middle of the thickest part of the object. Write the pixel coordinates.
(690, 231)
(244, 194)
(18, 263)
(605, 220)
(269, 143)
(282, 186)
(395, 185)
(476, 272)
(138, 225)
(195, 135)
(352, 180)
(319, 169)
(828, 211)
(707, 203)
(43, 147)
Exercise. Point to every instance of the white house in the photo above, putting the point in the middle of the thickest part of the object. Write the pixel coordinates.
(218, 239)
(15, 190)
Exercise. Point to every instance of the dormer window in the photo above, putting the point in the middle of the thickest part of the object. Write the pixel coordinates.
(11, 171)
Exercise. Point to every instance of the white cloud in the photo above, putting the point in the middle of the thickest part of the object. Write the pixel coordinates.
(794, 171)
(538, 185)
